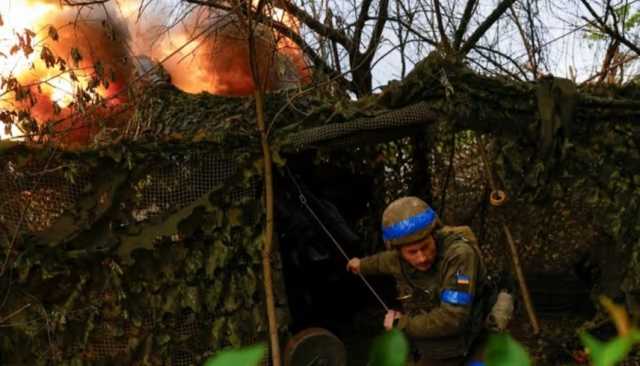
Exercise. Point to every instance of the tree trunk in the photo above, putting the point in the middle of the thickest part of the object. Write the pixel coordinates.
(361, 74)
(421, 180)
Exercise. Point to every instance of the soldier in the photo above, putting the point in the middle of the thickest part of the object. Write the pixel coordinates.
(439, 276)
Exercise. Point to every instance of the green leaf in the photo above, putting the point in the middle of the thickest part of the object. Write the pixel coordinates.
(612, 352)
(249, 356)
(633, 21)
(502, 350)
(390, 349)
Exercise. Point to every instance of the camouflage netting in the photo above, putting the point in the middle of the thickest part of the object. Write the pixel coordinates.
(146, 245)
(572, 176)
(573, 183)
(137, 251)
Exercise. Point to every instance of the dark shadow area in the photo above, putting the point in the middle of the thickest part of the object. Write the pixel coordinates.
(321, 293)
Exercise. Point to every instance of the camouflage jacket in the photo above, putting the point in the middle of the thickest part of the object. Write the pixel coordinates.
(440, 305)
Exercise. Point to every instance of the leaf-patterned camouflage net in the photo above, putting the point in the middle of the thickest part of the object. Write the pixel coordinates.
(146, 245)
(143, 250)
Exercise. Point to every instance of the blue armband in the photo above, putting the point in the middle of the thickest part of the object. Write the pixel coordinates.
(456, 297)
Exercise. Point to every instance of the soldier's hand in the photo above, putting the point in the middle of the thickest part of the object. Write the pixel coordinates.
(353, 265)
(390, 318)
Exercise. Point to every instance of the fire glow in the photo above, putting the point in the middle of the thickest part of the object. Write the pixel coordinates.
(217, 62)
(16, 17)
(53, 53)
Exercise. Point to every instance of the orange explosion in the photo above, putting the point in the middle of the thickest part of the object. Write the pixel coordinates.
(62, 52)
(218, 61)
(95, 44)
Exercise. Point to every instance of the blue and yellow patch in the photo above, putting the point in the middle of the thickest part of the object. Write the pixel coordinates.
(462, 279)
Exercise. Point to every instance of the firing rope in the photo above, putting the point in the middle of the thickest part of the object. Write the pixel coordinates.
(305, 203)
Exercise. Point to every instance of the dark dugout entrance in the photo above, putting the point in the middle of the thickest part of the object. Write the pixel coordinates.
(321, 292)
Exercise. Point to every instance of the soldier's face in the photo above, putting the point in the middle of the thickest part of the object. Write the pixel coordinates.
(421, 254)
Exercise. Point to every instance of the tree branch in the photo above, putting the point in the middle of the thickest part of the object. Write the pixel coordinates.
(611, 32)
(383, 13)
(333, 44)
(619, 63)
(527, 45)
(444, 40)
(360, 23)
(482, 28)
(464, 22)
(612, 50)
(480, 49)
(416, 33)
(318, 61)
(316, 25)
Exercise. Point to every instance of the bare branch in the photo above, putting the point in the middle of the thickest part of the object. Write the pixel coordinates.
(618, 63)
(383, 13)
(614, 33)
(528, 46)
(360, 23)
(318, 61)
(334, 44)
(611, 53)
(402, 36)
(316, 25)
(511, 60)
(415, 32)
(464, 22)
(482, 28)
(444, 40)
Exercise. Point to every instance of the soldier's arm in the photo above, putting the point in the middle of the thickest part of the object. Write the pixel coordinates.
(460, 268)
(386, 262)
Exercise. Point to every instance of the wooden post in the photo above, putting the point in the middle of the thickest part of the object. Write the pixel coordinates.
(259, 82)
(522, 283)
(497, 199)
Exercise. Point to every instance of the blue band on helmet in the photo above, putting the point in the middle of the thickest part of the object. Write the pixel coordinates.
(456, 297)
(409, 226)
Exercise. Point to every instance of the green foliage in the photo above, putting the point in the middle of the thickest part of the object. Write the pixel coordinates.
(249, 356)
(202, 277)
(611, 352)
(628, 18)
(390, 349)
(502, 350)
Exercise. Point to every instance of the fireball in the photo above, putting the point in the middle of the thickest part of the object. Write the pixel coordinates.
(55, 61)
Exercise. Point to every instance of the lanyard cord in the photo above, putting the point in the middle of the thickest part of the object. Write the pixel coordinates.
(304, 202)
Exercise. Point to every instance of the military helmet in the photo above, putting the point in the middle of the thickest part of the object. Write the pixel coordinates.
(407, 220)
